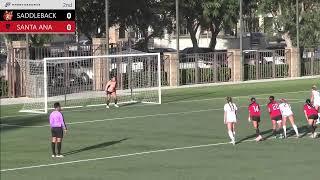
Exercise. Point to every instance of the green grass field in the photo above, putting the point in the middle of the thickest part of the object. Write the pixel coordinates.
(184, 138)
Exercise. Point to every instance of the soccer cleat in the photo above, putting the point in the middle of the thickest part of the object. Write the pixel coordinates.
(233, 142)
(59, 156)
(311, 136)
(259, 138)
(107, 107)
(53, 155)
(314, 135)
(281, 136)
(116, 105)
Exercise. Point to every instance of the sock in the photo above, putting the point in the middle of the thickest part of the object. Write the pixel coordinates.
(53, 148)
(284, 131)
(59, 147)
(311, 129)
(257, 132)
(274, 132)
(295, 129)
(108, 102)
(116, 101)
(231, 135)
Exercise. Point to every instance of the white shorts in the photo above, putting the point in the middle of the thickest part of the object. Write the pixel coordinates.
(287, 114)
(231, 120)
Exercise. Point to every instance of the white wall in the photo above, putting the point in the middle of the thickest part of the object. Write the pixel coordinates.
(222, 43)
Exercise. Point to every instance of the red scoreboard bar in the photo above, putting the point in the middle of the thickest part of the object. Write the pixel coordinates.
(37, 17)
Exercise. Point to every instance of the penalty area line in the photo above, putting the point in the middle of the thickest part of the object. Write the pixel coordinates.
(174, 102)
(118, 156)
(130, 117)
(124, 155)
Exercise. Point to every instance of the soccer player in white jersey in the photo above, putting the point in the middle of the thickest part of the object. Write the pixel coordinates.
(315, 99)
(230, 118)
(287, 113)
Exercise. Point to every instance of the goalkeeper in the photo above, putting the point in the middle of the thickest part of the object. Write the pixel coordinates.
(111, 92)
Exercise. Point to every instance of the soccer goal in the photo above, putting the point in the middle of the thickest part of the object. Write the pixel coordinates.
(80, 81)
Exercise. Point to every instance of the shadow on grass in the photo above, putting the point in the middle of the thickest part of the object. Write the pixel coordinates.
(130, 103)
(14, 123)
(302, 130)
(97, 146)
(253, 136)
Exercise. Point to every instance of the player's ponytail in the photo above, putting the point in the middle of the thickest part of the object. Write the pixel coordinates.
(308, 101)
(229, 101)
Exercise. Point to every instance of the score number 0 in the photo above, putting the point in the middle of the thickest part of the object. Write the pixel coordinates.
(69, 16)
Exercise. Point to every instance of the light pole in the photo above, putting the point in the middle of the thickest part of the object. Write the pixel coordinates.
(177, 29)
(107, 26)
(298, 33)
(107, 39)
(241, 35)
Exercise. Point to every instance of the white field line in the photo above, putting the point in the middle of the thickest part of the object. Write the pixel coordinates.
(174, 102)
(118, 156)
(131, 117)
(242, 82)
(123, 155)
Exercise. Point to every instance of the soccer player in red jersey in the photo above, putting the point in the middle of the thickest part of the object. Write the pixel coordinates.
(111, 92)
(311, 114)
(275, 115)
(254, 117)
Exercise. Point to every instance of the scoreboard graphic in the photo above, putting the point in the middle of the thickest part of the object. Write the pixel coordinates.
(37, 16)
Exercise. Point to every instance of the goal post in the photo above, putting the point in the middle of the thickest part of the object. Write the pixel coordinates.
(80, 81)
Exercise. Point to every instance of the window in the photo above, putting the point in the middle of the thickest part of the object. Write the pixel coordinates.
(183, 29)
(122, 32)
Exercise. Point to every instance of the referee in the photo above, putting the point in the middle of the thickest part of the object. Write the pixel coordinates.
(58, 126)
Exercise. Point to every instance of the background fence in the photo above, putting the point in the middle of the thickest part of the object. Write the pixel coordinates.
(204, 68)
(266, 64)
(310, 62)
(198, 68)
(13, 83)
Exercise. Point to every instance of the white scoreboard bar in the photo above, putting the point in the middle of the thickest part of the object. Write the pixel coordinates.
(38, 4)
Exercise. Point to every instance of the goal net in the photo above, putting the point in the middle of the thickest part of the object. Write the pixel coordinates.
(80, 81)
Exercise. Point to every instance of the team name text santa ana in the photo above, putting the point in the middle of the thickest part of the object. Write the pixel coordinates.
(34, 27)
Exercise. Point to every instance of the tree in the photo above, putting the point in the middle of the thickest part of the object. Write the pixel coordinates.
(147, 18)
(90, 18)
(192, 12)
(284, 20)
(190, 15)
(219, 14)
